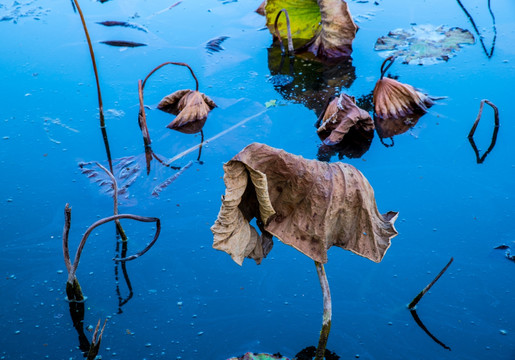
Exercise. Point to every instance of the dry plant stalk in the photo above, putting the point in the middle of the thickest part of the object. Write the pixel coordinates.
(278, 33)
(417, 298)
(95, 341)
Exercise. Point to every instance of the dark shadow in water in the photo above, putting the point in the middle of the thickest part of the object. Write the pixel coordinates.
(490, 52)
(388, 128)
(306, 81)
(354, 145)
(482, 158)
(122, 301)
(422, 326)
(309, 353)
(77, 315)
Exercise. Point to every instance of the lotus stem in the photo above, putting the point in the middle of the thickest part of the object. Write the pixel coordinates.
(480, 113)
(326, 322)
(115, 200)
(384, 69)
(278, 34)
(171, 63)
(417, 298)
(95, 341)
(99, 94)
(423, 327)
(487, 53)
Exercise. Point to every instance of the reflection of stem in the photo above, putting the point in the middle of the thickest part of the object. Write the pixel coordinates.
(115, 200)
(122, 301)
(278, 34)
(77, 310)
(326, 324)
(100, 103)
(200, 146)
(494, 135)
(422, 326)
(72, 285)
(417, 298)
(487, 53)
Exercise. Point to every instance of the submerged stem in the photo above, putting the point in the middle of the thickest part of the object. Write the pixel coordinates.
(326, 323)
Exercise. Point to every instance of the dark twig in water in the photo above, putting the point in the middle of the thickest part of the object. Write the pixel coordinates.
(388, 62)
(200, 146)
(122, 301)
(326, 323)
(115, 200)
(423, 327)
(122, 43)
(487, 53)
(278, 34)
(100, 103)
(494, 135)
(171, 63)
(417, 298)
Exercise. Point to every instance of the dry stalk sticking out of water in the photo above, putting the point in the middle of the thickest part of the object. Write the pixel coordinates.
(73, 289)
(417, 298)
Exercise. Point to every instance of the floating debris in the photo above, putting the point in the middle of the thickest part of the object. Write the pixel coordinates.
(480, 159)
(18, 10)
(122, 43)
(215, 45)
(124, 24)
(424, 44)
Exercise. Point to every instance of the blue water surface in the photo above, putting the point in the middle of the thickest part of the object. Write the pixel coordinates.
(188, 301)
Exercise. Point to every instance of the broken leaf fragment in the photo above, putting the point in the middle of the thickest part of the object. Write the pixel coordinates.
(424, 44)
(191, 108)
(308, 204)
(341, 115)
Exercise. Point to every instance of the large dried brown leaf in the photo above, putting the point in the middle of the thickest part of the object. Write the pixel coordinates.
(393, 99)
(308, 204)
(338, 30)
(340, 116)
(191, 108)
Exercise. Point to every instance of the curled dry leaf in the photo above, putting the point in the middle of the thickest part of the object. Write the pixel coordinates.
(191, 108)
(387, 128)
(393, 99)
(308, 204)
(340, 116)
(261, 9)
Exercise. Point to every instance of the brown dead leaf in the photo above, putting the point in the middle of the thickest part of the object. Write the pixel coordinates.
(340, 115)
(191, 108)
(334, 41)
(308, 204)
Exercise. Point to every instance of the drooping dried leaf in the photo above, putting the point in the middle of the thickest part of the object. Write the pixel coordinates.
(191, 108)
(334, 41)
(308, 204)
(393, 100)
(424, 44)
(340, 116)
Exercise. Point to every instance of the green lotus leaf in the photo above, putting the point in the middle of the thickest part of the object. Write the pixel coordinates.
(304, 17)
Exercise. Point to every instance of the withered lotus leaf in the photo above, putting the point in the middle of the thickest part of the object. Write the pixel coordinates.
(340, 116)
(191, 108)
(338, 30)
(393, 99)
(308, 204)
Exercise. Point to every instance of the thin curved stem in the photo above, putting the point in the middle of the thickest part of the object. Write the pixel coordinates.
(384, 69)
(71, 274)
(417, 298)
(99, 94)
(147, 248)
(278, 33)
(115, 200)
(171, 63)
(326, 323)
(490, 53)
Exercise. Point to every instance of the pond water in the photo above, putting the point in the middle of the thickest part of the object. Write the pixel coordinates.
(184, 300)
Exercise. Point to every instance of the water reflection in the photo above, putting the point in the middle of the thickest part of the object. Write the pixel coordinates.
(388, 128)
(308, 82)
(423, 327)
